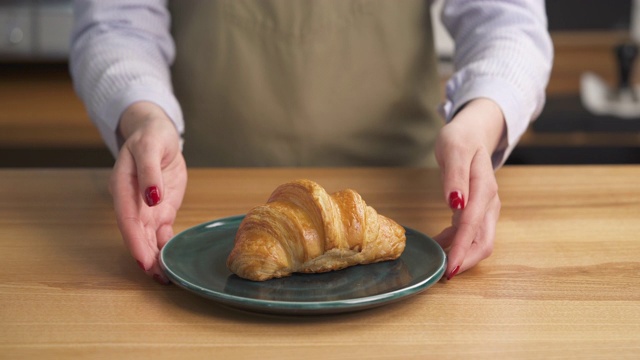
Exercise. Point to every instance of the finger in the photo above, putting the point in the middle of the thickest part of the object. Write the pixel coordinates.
(482, 189)
(445, 238)
(163, 235)
(148, 161)
(455, 178)
(158, 275)
(482, 246)
(127, 205)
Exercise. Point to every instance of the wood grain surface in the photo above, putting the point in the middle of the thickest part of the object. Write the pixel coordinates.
(563, 280)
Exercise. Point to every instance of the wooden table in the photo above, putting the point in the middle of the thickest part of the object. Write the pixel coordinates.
(563, 281)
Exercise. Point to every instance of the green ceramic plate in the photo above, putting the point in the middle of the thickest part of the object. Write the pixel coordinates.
(196, 258)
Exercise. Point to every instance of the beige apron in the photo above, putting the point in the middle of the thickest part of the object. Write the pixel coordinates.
(306, 83)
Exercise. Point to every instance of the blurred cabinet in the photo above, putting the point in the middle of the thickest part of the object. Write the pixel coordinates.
(35, 29)
(584, 33)
(566, 132)
(42, 121)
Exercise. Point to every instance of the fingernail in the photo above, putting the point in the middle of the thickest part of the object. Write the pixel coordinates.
(141, 265)
(453, 272)
(152, 196)
(160, 280)
(456, 200)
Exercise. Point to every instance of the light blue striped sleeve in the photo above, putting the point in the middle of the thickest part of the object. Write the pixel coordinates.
(121, 53)
(503, 51)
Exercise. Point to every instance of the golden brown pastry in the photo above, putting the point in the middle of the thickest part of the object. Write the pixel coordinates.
(304, 229)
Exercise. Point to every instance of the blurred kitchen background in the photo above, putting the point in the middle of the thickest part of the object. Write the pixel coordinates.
(592, 113)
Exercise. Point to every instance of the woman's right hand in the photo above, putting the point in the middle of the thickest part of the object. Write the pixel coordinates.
(148, 183)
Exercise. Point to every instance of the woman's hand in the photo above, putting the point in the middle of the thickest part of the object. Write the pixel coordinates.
(463, 150)
(148, 183)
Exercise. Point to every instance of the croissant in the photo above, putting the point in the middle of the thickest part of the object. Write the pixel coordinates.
(303, 229)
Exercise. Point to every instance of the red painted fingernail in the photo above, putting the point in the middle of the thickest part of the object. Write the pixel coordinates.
(456, 200)
(453, 272)
(152, 196)
(141, 266)
(159, 279)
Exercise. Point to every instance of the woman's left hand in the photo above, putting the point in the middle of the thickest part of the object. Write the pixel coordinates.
(463, 151)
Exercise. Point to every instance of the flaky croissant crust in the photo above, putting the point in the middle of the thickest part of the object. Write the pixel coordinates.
(302, 228)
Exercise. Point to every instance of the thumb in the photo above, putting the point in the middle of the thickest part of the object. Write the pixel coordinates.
(455, 171)
(124, 190)
(144, 126)
(150, 177)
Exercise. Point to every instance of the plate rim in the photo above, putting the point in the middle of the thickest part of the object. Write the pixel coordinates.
(297, 307)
